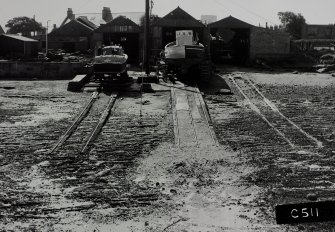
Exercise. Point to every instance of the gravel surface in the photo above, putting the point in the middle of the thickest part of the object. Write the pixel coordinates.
(134, 178)
(283, 174)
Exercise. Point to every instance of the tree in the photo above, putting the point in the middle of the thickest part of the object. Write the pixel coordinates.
(293, 23)
(23, 25)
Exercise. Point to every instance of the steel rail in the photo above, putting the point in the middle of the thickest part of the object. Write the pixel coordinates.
(75, 123)
(276, 110)
(175, 117)
(206, 114)
(257, 110)
(100, 123)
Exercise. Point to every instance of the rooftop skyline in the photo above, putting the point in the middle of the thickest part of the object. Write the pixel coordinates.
(251, 11)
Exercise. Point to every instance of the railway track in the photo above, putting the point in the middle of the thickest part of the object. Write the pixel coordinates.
(289, 131)
(87, 125)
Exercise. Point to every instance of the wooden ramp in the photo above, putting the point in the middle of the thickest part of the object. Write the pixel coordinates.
(192, 124)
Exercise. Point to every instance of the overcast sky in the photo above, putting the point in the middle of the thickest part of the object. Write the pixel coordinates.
(251, 11)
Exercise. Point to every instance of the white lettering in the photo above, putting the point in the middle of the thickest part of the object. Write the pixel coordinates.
(303, 211)
(294, 215)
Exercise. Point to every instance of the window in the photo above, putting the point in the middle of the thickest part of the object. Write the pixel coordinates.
(123, 28)
(312, 30)
(328, 31)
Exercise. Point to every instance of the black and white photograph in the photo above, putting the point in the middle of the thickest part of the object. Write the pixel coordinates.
(167, 116)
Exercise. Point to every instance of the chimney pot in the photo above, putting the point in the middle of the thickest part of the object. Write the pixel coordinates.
(70, 14)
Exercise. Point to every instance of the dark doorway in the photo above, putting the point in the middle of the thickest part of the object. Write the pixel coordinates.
(240, 46)
(169, 35)
(129, 42)
(231, 46)
(69, 46)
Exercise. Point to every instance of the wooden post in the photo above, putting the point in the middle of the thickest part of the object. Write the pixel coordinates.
(146, 38)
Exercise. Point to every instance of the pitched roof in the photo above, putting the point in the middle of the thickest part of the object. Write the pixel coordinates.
(230, 22)
(72, 28)
(1, 30)
(19, 37)
(87, 22)
(178, 18)
(96, 18)
(119, 21)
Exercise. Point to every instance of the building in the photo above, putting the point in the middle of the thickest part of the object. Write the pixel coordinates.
(87, 22)
(316, 37)
(241, 42)
(74, 33)
(16, 46)
(123, 31)
(164, 29)
(232, 39)
(207, 19)
(72, 36)
(106, 16)
(313, 31)
(269, 43)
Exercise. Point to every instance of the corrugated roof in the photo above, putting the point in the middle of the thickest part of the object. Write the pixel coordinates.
(178, 18)
(119, 21)
(19, 37)
(230, 22)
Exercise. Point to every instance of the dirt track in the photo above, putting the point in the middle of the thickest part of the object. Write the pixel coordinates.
(139, 180)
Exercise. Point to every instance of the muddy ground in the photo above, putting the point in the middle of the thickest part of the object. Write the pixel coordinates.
(135, 179)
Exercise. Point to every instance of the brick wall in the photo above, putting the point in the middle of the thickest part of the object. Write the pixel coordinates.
(267, 42)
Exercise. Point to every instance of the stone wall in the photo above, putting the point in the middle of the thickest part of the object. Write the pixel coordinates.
(40, 70)
(266, 42)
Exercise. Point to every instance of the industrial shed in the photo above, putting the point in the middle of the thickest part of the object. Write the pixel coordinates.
(164, 29)
(72, 36)
(241, 42)
(232, 39)
(16, 46)
(123, 31)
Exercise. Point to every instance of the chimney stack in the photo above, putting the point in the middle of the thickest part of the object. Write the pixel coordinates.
(107, 14)
(70, 14)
